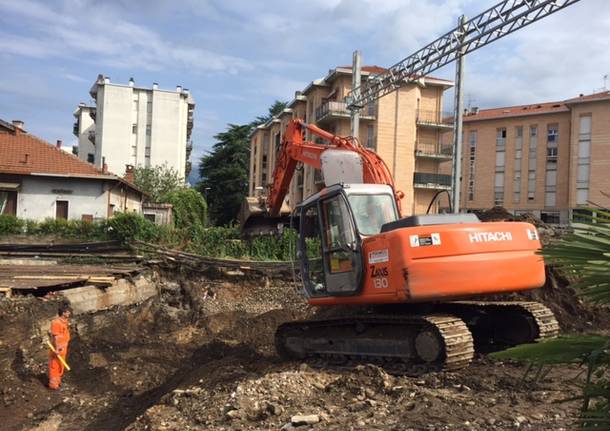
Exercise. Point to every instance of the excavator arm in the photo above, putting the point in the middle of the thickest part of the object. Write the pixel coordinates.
(296, 149)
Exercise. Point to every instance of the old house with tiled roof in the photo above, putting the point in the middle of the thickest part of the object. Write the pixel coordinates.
(39, 180)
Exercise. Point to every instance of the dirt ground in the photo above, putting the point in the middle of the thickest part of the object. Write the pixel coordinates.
(200, 356)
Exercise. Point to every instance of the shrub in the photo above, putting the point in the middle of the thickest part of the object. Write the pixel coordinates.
(11, 225)
(189, 208)
(131, 226)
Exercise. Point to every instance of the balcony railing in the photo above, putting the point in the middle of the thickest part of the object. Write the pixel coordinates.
(339, 109)
(441, 119)
(433, 149)
(432, 181)
(75, 128)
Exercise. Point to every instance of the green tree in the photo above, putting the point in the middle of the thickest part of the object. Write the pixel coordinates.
(274, 110)
(584, 255)
(158, 181)
(189, 208)
(224, 173)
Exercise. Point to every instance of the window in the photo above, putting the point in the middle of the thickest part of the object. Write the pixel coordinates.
(149, 107)
(134, 129)
(584, 160)
(135, 105)
(150, 217)
(90, 158)
(148, 130)
(517, 169)
(531, 173)
(8, 202)
(372, 211)
(338, 234)
(370, 137)
(500, 162)
(471, 164)
(550, 217)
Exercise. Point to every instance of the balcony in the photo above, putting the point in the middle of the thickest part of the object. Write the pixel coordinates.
(75, 129)
(91, 136)
(331, 110)
(434, 119)
(433, 150)
(92, 113)
(423, 180)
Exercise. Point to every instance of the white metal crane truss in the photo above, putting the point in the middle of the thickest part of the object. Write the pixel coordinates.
(496, 22)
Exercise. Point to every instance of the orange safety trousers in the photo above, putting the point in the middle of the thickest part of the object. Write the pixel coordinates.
(61, 335)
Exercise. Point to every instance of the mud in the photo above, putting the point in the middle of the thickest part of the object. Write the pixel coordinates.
(200, 356)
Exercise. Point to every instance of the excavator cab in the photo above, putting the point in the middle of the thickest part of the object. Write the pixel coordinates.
(332, 225)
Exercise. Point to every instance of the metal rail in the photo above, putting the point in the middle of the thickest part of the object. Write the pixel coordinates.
(498, 21)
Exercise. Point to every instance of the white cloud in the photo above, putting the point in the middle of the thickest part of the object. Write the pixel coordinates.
(100, 35)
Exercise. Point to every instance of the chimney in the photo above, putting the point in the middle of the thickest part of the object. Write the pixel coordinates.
(104, 166)
(106, 80)
(19, 124)
(58, 144)
(131, 82)
(129, 174)
(155, 86)
(179, 88)
(474, 110)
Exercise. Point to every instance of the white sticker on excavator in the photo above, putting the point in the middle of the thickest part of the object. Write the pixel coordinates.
(378, 256)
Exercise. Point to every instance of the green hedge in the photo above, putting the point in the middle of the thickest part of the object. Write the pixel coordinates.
(126, 227)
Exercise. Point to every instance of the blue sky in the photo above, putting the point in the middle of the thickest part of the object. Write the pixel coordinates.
(237, 56)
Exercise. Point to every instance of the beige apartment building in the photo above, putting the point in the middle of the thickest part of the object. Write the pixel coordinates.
(405, 128)
(551, 159)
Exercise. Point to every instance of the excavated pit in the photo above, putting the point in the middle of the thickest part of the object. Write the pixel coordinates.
(200, 355)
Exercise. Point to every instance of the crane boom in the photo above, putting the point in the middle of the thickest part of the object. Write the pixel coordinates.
(496, 22)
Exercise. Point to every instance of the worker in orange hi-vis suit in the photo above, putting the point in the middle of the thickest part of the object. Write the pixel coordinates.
(60, 337)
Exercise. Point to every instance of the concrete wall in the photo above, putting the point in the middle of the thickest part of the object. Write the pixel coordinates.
(85, 126)
(599, 180)
(158, 118)
(486, 156)
(37, 197)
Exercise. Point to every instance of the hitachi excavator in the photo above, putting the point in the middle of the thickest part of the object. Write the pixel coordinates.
(409, 273)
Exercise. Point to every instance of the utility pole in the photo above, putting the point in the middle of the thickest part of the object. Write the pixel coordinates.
(457, 118)
(355, 113)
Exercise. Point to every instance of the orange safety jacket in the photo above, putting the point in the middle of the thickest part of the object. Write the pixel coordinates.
(61, 334)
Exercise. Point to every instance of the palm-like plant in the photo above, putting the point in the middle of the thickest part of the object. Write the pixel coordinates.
(584, 255)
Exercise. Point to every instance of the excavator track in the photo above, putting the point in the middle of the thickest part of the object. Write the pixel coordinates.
(412, 343)
(504, 323)
(419, 343)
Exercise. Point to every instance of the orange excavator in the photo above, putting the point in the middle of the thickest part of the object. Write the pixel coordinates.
(405, 278)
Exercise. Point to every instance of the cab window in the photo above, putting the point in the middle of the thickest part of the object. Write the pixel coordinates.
(372, 211)
(339, 237)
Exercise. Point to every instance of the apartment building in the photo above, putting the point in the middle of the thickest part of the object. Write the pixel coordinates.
(137, 126)
(405, 128)
(550, 159)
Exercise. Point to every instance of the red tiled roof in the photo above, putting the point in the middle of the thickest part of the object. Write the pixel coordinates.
(534, 109)
(23, 153)
(517, 111)
(378, 69)
(590, 97)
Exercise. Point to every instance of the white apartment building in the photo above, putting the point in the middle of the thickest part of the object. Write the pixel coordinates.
(136, 126)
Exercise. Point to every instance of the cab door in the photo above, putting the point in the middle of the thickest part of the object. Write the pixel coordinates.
(341, 249)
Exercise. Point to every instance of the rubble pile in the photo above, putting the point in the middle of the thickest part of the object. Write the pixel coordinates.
(200, 356)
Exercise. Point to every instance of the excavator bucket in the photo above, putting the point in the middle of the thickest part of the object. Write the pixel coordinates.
(254, 220)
